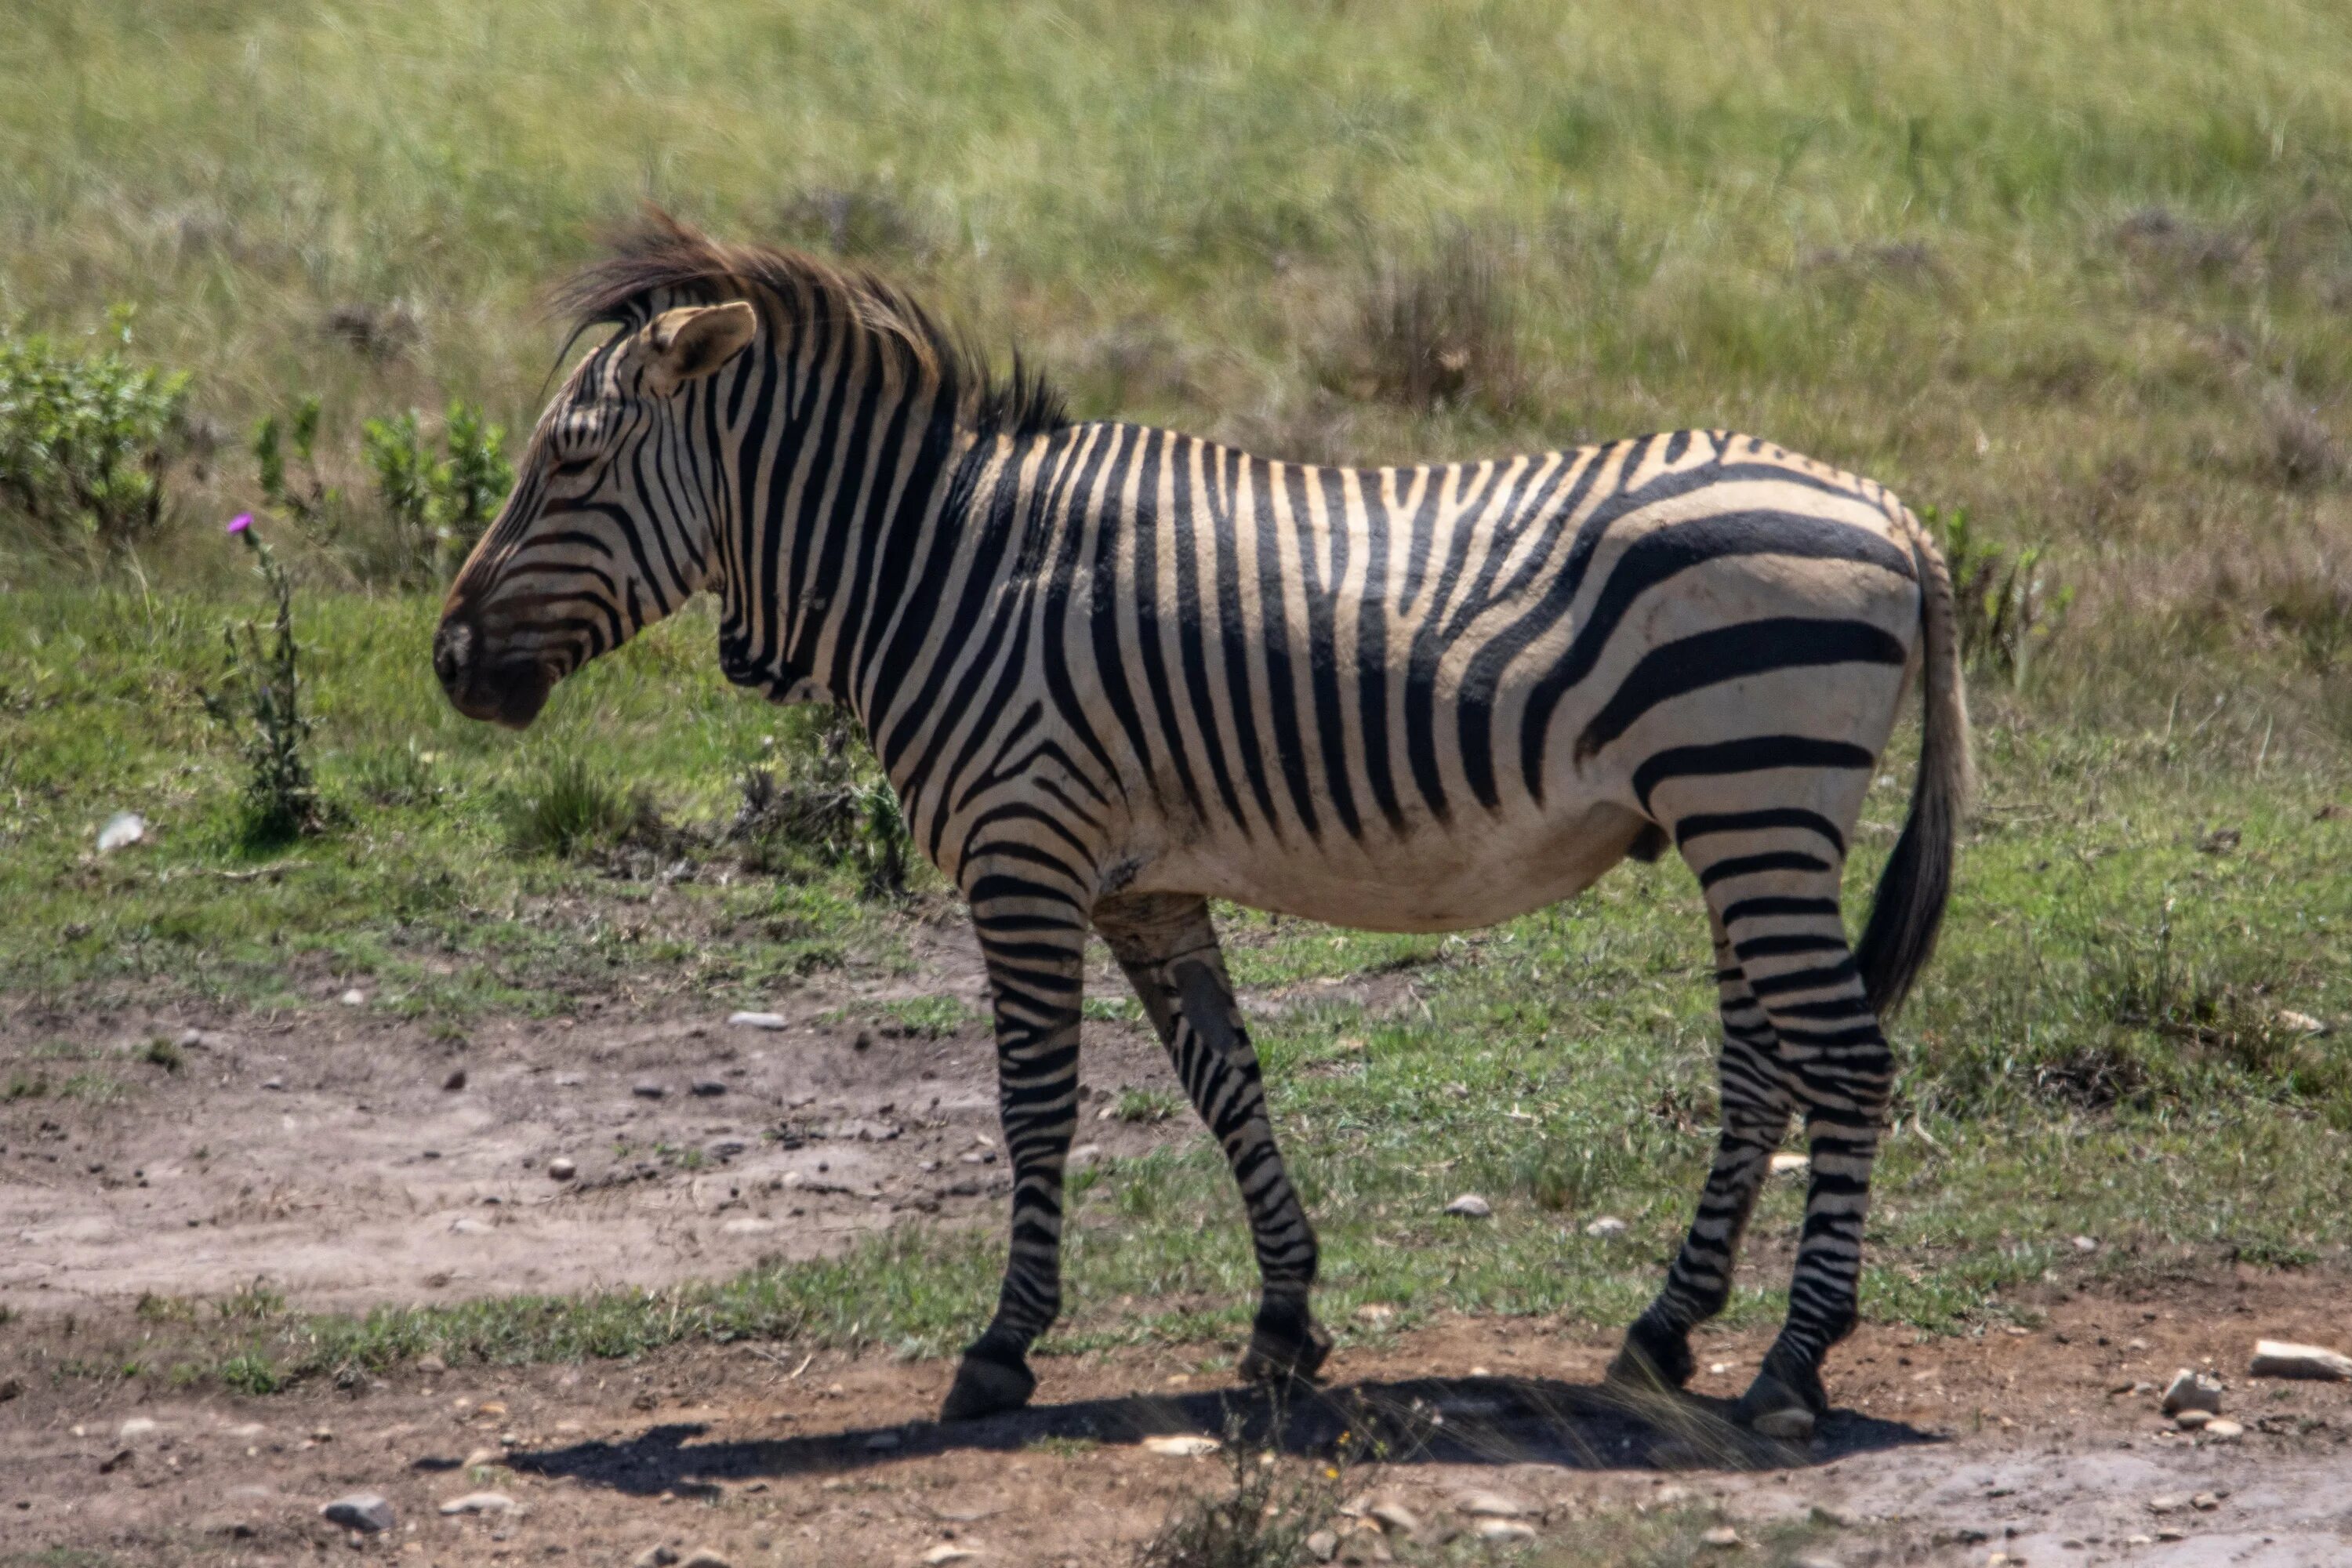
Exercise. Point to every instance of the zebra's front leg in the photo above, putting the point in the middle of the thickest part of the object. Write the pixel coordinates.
(1656, 1353)
(1033, 937)
(1167, 947)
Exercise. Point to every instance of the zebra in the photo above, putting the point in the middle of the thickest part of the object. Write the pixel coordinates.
(1114, 672)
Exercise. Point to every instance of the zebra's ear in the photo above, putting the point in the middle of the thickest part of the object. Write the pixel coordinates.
(693, 341)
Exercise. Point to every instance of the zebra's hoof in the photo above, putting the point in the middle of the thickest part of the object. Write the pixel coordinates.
(1652, 1360)
(1772, 1408)
(986, 1387)
(1284, 1347)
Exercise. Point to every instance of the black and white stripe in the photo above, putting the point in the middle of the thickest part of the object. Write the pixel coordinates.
(1116, 671)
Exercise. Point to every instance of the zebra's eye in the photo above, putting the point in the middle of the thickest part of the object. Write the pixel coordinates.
(572, 467)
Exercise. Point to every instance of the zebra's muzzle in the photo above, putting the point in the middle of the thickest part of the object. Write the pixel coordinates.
(501, 692)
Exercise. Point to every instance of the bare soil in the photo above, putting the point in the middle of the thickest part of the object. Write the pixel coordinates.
(326, 1153)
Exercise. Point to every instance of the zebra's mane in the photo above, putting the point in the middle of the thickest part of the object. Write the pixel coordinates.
(660, 257)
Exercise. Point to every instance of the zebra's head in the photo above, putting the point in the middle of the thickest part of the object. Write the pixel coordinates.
(609, 525)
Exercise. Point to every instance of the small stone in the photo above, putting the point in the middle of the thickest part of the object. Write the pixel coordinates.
(1470, 1205)
(757, 1020)
(561, 1169)
(1086, 1155)
(1185, 1446)
(1322, 1546)
(2301, 1023)
(454, 1082)
(656, 1556)
(479, 1502)
(884, 1442)
(354, 997)
(1505, 1531)
(433, 1365)
(136, 1428)
(2192, 1419)
(470, 1227)
(120, 831)
(939, 1555)
(708, 1088)
(1834, 1517)
(649, 1090)
(1815, 1560)
(1723, 1538)
(2222, 1429)
(274, 1083)
(2139, 1540)
(364, 1511)
(1788, 1163)
(2166, 1502)
(1492, 1505)
(2205, 1502)
(481, 1457)
(1606, 1228)
(2283, 1358)
(1375, 1313)
(2087, 1244)
(2193, 1390)
(1395, 1518)
(704, 1557)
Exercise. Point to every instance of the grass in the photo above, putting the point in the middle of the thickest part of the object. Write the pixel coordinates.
(2073, 270)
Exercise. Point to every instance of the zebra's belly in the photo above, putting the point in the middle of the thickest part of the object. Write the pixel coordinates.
(1436, 880)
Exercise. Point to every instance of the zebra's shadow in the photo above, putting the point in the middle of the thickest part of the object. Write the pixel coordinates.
(1432, 1420)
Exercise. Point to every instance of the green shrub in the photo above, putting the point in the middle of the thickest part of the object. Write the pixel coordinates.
(307, 498)
(2006, 607)
(436, 506)
(572, 808)
(840, 811)
(85, 440)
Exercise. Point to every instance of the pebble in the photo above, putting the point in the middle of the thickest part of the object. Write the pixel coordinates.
(1606, 1228)
(649, 1090)
(276, 1083)
(704, 1557)
(1183, 1446)
(2283, 1358)
(1492, 1505)
(360, 1511)
(479, 1502)
(2166, 1502)
(1788, 1163)
(454, 1082)
(1834, 1517)
(757, 1020)
(655, 1556)
(2205, 1502)
(2193, 1390)
(137, 1426)
(2222, 1429)
(470, 1227)
(1722, 1537)
(1470, 1205)
(1505, 1531)
(939, 1555)
(2301, 1023)
(1395, 1518)
(562, 1169)
(2087, 1244)
(1323, 1545)
(2192, 1419)
(708, 1087)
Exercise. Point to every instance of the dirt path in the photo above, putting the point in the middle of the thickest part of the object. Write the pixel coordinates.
(1945, 1451)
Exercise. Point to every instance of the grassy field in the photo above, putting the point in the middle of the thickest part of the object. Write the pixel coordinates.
(2079, 269)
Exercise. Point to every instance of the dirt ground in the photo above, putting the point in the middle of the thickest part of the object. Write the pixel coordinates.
(327, 1153)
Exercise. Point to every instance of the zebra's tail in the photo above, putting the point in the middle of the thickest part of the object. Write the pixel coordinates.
(1912, 890)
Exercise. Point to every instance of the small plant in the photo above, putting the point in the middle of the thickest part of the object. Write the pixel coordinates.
(438, 506)
(85, 439)
(1145, 1105)
(2006, 608)
(260, 705)
(305, 496)
(256, 1302)
(164, 1054)
(397, 775)
(251, 1373)
(1439, 331)
(841, 813)
(573, 808)
(1259, 1521)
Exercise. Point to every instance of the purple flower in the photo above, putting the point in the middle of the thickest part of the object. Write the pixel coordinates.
(240, 523)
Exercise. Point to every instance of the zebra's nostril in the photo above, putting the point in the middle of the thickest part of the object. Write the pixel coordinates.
(453, 649)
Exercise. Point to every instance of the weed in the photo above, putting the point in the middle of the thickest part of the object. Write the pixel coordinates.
(85, 440)
(1058, 1446)
(154, 1309)
(256, 1302)
(397, 775)
(2006, 610)
(165, 1054)
(1440, 331)
(1146, 1105)
(250, 1373)
(23, 1088)
(260, 705)
(93, 1088)
(2303, 452)
(1261, 1520)
(305, 496)
(840, 813)
(573, 807)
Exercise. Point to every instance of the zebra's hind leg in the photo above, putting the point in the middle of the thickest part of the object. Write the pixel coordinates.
(1033, 936)
(1781, 911)
(1169, 949)
(1656, 1352)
